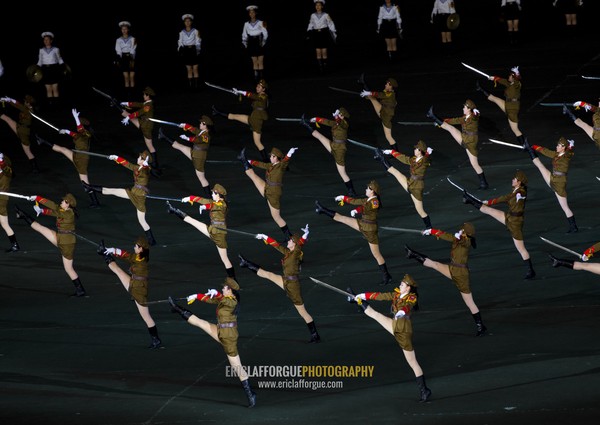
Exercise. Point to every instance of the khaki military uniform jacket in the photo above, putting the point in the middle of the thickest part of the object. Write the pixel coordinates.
(469, 129)
(418, 168)
(81, 140)
(560, 168)
(226, 322)
(273, 180)
(388, 106)
(515, 216)
(5, 178)
(403, 325)
(137, 193)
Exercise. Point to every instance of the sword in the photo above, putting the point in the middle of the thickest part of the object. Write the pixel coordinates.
(165, 301)
(461, 189)
(236, 231)
(113, 102)
(590, 78)
(15, 195)
(400, 229)
(415, 123)
(96, 244)
(344, 90)
(598, 177)
(332, 288)
(498, 142)
(91, 153)
(476, 70)
(362, 145)
(174, 124)
(557, 104)
(45, 122)
(289, 119)
(162, 198)
(219, 87)
(562, 247)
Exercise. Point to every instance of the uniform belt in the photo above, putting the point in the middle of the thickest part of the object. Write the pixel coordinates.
(219, 223)
(271, 183)
(290, 277)
(136, 277)
(462, 266)
(199, 147)
(469, 133)
(512, 99)
(406, 316)
(516, 214)
(596, 128)
(339, 141)
(414, 177)
(389, 20)
(139, 186)
(258, 108)
(368, 221)
(558, 173)
(126, 54)
(64, 232)
(227, 325)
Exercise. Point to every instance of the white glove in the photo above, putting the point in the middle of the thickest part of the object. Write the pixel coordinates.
(306, 232)
(124, 104)
(186, 199)
(245, 44)
(353, 213)
(8, 99)
(401, 313)
(365, 93)
(64, 131)
(125, 121)
(339, 198)
(212, 293)
(313, 120)
(519, 197)
(182, 125)
(76, 116)
(426, 232)
(458, 234)
(361, 297)
(587, 107)
(584, 257)
(113, 157)
(261, 236)
(32, 198)
(291, 152)
(38, 210)
(110, 251)
(184, 137)
(191, 298)
(235, 91)
(201, 208)
(429, 151)
(387, 151)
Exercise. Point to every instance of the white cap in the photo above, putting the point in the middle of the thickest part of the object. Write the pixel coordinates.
(186, 16)
(124, 24)
(252, 7)
(320, 1)
(47, 34)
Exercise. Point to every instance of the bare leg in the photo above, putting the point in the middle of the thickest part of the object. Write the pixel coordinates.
(236, 364)
(411, 359)
(276, 214)
(4, 223)
(493, 212)
(474, 163)
(141, 216)
(303, 313)
(500, 102)
(399, 176)
(258, 182)
(564, 205)
(589, 130)
(45, 232)
(588, 267)
(224, 258)
(256, 138)
(186, 150)
(209, 328)
(11, 123)
(145, 313)
(439, 267)
(202, 228)
(388, 135)
(419, 207)
(119, 193)
(384, 321)
(275, 278)
(348, 221)
(27, 150)
(68, 266)
(468, 299)
(543, 170)
(520, 245)
(376, 253)
(341, 169)
(238, 117)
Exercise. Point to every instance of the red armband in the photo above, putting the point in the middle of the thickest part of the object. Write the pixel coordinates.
(271, 241)
(188, 127)
(194, 198)
(492, 201)
(208, 206)
(359, 209)
(371, 295)
(437, 232)
(121, 161)
(589, 252)
(40, 199)
(395, 153)
(254, 162)
(536, 147)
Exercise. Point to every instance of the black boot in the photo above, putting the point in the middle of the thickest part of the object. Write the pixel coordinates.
(89, 188)
(483, 184)
(14, 247)
(386, 277)
(572, 225)
(249, 393)
(350, 187)
(566, 111)
(314, 335)
(22, 214)
(184, 313)
(163, 136)
(521, 140)
(361, 80)
(530, 272)
(435, 119)
(41, 141)
(248, 264)
(414, 254)
(286, 232)
(304, 122)
(34, 166)
(527, 147)
(478, 88)
(231, 273)
(150, 237)
(427, 221)
(320, 209)
(101, 248)
(155, 340)
(155, 168)
(264, 156)
(481, 329)
(425, 392)
(559, 262)
(176, 211)
(207, 192)
(380, 156)
(470, 199)
(94, 202)
(215, 112)
(244, 160)
(79, 290)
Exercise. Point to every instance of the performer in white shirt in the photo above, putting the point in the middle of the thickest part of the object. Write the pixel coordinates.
(511, 11)
(254, 38)
(50, 61)
(389, 26)
(321, 31)
(189, 46)
(439, 17)
(125, 48)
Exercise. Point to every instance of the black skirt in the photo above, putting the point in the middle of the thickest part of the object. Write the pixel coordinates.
(255, 46)
(511, 12)
(52, 74)
(321, 38)
(189, 55)
(440, 21)
(126, 62)
(389, 28)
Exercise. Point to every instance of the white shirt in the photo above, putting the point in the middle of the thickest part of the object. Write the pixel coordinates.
(389, 13)
(443, 6)
(253, 29)
(504, 2)
(126, 45)
(319, 21)
(50, 56)
(1, 69)
(189, 38)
